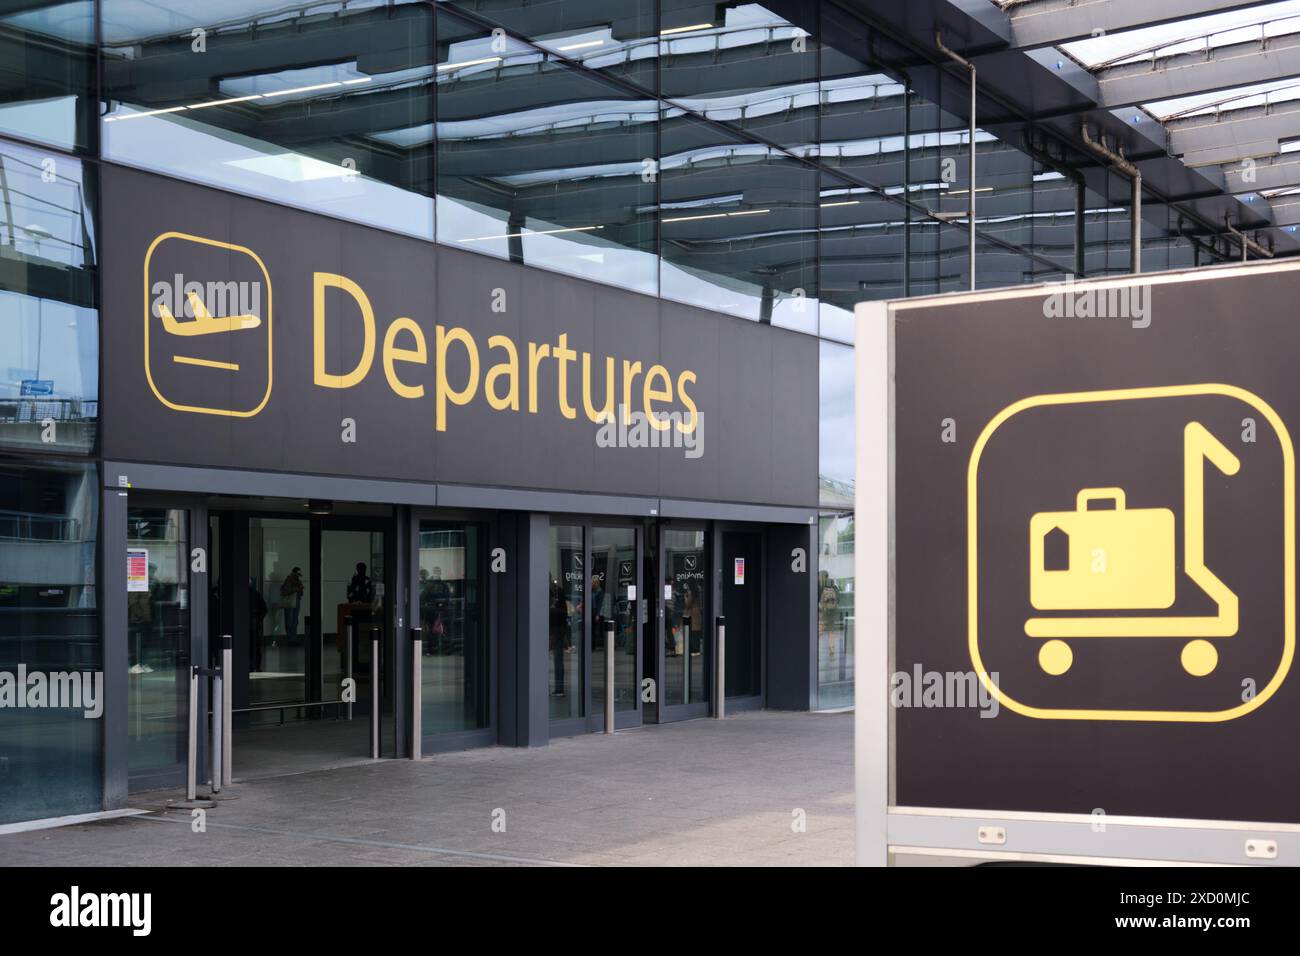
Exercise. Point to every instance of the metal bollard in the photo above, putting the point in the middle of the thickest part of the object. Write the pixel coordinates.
(609, 677)
(720, 670)
(374, 693)
(686, 662)
(227, 710)
(348, 669)
(218, 725)
(417, 687)
(192, 759)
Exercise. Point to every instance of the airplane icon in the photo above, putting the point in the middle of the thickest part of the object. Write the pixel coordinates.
(204, 323)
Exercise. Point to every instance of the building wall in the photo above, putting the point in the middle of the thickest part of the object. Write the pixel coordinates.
(706, 167)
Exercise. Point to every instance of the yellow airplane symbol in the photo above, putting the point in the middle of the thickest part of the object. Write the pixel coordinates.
(204, 323)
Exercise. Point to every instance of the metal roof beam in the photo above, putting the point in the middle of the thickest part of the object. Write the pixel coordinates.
(1232, 135)
(1276, 172)
(1039, 23)
(1202, 71)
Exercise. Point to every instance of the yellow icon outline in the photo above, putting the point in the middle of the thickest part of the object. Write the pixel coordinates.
(1288, 534)
(204, 323)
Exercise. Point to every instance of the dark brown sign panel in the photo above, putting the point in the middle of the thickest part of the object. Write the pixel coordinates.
(1095, 526)
(242, 334)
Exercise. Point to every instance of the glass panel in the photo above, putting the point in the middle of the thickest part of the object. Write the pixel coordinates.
(323, 107)
(49, 352)
(685, 638)
(835, 427)
(279, 550)
(738, 225)
(614, 37)
(456, 671)
(743, 220)
(158, 637)
(352, 589)
(50, 756)
(613, 570)
(567, 642)
(835, 612)
(541, 163)
(47, 69)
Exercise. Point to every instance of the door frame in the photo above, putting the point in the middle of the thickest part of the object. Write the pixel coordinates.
(591, 721)
(686, 711)
(488, 521)
(196, 511)
(749, 701)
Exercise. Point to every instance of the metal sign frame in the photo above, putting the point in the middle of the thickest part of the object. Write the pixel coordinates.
(886, 830)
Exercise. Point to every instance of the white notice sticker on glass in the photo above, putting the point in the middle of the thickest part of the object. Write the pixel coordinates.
(668, 592)
(631, 592)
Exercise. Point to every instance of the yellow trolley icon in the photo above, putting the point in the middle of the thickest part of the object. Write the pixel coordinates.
(1122, 559)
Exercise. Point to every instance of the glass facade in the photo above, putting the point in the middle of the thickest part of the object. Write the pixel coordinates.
(776, 163)
(324, 106)
(49, 349)
(47, 71)
(51, 683)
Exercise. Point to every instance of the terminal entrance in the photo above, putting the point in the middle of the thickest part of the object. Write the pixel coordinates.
(305, 591)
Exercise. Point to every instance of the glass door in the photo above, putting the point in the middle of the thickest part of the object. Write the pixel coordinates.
(685, 645)
(566, 638)
(455, 672)
(352, 591)
(280, 580)
(158, 642)
(614, 599)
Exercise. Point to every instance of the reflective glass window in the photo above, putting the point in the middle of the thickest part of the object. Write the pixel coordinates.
(49, 352)
(453, 622)
(541, 163)
(47, 71)
(50, 749)
(326, 106)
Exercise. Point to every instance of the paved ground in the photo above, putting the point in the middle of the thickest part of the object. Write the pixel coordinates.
(694, 793)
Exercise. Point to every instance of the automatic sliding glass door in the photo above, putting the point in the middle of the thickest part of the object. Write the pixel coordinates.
(686, 650)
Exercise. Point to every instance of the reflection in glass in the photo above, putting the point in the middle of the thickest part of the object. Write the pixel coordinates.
(47, 71)
(738, 225)
(279, 551)
(322, 110)
(158, 638)
(686, 642)
(613, 571)
(541, 163)
(352, 590)
(835, 611)
(49, 623)
(453, 623)
(49, 350)
(566, 638)
(836, 443)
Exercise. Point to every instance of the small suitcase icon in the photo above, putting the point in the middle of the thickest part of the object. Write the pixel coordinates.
(1124, 558)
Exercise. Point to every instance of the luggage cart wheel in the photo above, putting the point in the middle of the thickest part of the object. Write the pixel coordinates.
(1055, 657)
(1199, 658)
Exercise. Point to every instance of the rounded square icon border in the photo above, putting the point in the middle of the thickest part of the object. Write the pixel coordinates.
(270, 334)
(1130, 394)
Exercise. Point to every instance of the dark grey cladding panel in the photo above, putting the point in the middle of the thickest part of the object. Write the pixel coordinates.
(237, 400)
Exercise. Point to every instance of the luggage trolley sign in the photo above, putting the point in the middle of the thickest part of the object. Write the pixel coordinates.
(1095, 547)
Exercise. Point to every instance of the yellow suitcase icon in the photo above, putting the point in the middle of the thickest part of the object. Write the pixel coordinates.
(1105, 559)
(1125, 559)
